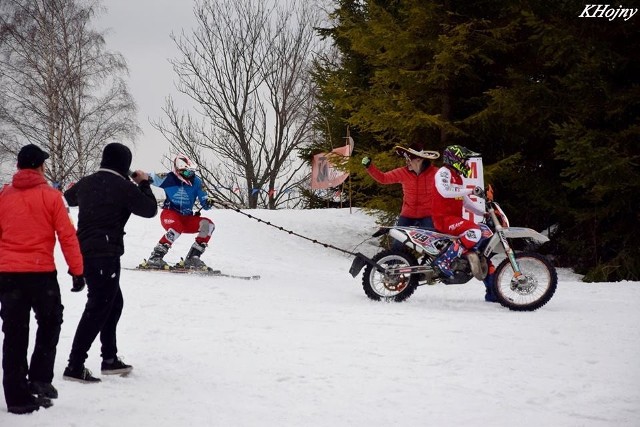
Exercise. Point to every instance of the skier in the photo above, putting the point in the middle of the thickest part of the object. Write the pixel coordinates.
(182, 187)
(449, 198)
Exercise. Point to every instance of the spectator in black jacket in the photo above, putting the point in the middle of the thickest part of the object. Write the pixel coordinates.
(106, 200)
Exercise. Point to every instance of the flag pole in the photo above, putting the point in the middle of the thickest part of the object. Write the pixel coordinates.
(350, 153)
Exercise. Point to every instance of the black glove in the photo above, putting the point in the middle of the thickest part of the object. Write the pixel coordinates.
(78, 283)
(366, 162)
(478, 192)
(210, 203)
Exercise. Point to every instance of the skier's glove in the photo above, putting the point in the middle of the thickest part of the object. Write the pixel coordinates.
(78, 283)
(211, 203)
(478, 191)
(366, 161)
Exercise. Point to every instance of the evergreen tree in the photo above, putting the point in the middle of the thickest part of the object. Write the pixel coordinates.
(408, 71)
(572, 103)
(550, 100)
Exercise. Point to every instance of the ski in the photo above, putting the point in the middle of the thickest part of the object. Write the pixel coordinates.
(237, 276)
(214, 273)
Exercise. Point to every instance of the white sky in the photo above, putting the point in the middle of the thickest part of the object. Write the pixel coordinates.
(140, 31)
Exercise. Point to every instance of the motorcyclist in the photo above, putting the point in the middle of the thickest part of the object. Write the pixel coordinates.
(449, 199)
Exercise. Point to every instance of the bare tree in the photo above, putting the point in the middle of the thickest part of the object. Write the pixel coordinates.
(246, 67)
(62, 89)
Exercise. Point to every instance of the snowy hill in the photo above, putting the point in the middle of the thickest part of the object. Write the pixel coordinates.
(303, 346)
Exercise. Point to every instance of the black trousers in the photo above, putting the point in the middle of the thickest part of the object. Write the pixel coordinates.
(19, 293)
(102, 311)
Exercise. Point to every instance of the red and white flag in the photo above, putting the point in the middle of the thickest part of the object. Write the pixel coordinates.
(476, 179)
(324, 173)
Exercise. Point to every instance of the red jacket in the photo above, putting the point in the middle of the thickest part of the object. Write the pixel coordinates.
(417, 190)
(32, 213)
(449, 203)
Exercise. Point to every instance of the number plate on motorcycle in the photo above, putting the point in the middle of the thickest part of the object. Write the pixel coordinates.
(426, 240)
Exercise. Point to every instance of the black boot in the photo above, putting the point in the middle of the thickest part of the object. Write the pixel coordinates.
(193, 257)
(196, 250)
(155, 259)
(43, 389)
(35, 403)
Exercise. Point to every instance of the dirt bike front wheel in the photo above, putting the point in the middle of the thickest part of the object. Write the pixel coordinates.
(530, 290)
(387, 287)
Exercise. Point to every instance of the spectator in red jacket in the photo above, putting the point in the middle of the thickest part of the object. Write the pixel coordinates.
(32, 214)
(417, 185)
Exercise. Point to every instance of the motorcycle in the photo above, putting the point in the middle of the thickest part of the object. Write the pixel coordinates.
(523, 281)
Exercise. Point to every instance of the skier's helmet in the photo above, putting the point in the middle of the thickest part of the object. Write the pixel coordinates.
(184, 168)
(457, 156)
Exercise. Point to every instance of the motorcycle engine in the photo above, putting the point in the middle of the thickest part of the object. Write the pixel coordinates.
(461, 272)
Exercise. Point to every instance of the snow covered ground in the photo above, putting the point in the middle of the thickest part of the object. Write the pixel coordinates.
(303, 346)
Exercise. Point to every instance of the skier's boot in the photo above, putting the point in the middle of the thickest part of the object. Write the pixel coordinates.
(193, 261)
(155, 261)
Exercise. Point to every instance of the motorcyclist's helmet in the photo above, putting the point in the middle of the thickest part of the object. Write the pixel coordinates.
(184, 168)
(457, 157)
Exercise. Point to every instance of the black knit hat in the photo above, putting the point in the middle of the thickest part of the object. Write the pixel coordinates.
(31, 157)
(117, 157)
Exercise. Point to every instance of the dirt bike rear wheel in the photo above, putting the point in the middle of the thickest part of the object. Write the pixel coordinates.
(530, 291)
(396, 288)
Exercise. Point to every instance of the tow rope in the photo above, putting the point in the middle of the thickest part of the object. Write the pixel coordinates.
(293, 233)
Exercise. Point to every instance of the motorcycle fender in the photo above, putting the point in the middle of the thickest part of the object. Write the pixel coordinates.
(359, 262)
(524, 233)
(494, 244)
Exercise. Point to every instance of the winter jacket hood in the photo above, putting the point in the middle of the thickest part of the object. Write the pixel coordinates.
(27, 178)
(116, 157)
(32, 214)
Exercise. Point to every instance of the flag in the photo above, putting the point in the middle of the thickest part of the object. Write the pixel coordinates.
(476, 179)
(323, 171)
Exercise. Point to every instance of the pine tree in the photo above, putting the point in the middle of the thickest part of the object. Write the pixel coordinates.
(571, 105)
(549, 99)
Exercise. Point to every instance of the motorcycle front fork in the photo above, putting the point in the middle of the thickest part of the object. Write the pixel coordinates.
(518, 278)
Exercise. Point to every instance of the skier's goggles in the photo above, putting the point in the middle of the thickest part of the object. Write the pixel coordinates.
(187, 173)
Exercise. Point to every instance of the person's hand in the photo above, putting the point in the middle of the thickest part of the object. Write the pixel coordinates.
(478, 191)
(138, 176)
(210, 203)
(366, 161)
(78, 283)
